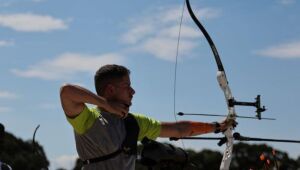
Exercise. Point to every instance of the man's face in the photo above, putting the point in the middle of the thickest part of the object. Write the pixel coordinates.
(123, 92)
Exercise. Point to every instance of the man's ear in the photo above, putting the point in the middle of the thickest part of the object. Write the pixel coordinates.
(110, 89)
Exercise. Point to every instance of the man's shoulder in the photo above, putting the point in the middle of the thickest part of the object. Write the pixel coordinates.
(143, 117)
(149, 127)
(85, 119)
(139, 116)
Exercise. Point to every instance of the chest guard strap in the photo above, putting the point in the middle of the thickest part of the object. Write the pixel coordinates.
(129, 145)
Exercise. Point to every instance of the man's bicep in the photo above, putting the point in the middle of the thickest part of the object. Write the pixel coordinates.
(70, 107)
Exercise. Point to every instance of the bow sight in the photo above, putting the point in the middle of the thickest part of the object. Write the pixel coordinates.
(232, 102)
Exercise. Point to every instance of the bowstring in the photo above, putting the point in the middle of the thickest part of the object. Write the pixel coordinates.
(176, 65)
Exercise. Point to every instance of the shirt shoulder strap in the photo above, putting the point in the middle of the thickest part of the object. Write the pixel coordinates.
(129, 145)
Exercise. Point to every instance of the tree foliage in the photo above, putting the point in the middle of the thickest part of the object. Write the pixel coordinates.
(261, 156)
(245, 157)
(22, 155)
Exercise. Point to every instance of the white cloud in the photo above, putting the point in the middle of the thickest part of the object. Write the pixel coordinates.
(38, 1)
(287, 2)
(207, 13)
(64, 161)
(173, 14)
(137, 33)
(165, 48)
(48, 106)
(287, 50)
(28, 22)
(157, 33)
(66, 65)
(5, 4)
(7, 95)
(5, 43)
(4, 109)
(187, 32)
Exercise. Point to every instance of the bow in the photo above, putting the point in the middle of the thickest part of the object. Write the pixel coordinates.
(231, 102)
(223, 82)
(229, 136)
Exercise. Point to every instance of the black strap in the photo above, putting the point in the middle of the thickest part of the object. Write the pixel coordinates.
(129, 145)
(102, 158)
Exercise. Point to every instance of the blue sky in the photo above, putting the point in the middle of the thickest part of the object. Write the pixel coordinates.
(44, 44)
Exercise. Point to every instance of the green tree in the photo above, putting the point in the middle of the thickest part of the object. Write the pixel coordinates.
(260, 156)
(206, 159)
(245, 157)
(22, 155)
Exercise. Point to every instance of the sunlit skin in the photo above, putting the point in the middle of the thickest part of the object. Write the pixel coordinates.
(117, 99)
(120, 93)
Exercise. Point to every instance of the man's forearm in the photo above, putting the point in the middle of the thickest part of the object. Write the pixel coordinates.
(74, 97)
(79, 94)
(186, 128)
(189, 128)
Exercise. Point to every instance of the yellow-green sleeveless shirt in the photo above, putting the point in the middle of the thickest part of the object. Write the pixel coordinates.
(99, 133)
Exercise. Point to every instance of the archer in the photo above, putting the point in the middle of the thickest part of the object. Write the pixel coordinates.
(106, 135)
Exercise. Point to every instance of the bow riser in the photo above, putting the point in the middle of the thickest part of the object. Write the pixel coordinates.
(221, 77)
(227, 155)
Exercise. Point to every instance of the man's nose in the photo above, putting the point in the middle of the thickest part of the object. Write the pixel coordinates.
(132, 91)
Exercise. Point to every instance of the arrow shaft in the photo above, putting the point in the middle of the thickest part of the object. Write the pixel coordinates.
(218, 115)
(268, 140)
(197, 138)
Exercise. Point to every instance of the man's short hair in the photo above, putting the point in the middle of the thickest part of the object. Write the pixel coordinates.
(107, 74)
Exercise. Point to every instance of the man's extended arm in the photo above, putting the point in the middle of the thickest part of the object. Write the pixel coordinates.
(189, 128)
